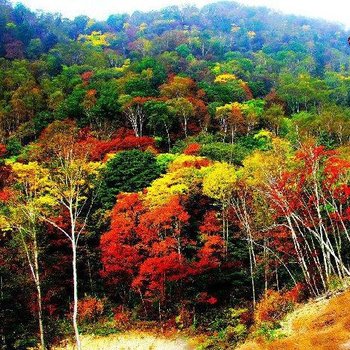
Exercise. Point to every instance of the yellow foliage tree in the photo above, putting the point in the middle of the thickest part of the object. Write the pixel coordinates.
(218, 183)
(96, 39)
(184, 175)
(262, 168)
(32, 196)
(224, 78)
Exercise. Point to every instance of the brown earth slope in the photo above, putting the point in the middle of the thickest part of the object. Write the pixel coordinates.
(319, 325)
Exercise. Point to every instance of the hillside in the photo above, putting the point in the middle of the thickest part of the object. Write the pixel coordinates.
(322, 324)
(318, 324)
(185, 170)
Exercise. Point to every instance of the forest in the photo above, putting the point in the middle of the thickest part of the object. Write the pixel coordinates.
(185, 169)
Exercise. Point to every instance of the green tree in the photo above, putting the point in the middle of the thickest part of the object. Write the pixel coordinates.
(127, 171)
(183, 109)
(273, 118)
(160, 118)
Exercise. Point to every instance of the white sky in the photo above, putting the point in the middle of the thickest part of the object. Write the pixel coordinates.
(333, 10)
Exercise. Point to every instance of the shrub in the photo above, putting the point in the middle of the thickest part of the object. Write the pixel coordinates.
(335, 283)
(90, 309)
(192, 149)
(236, 333)
(296, 294)
(185, 318)
(272, 307)
(205, 298)
(122, 318)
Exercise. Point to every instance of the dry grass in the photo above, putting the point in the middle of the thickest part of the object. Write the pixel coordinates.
(132, 341)
(322, 325)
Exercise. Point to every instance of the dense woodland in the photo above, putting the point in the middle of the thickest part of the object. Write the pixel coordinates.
(181, 169)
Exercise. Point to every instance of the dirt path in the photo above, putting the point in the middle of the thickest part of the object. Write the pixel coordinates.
(132, 341)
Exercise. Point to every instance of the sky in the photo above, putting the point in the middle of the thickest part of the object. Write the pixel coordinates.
(332, 10)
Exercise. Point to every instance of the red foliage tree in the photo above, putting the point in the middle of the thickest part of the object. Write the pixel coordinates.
(312, 203)
(121, 255)
(150, 248)
(86, 76)
(123, 140)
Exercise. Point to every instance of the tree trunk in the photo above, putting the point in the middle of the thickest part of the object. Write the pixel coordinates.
(75, 294)
(251, 269)
(39, 297)
(33, 262)
(168, 136)
(2, 332)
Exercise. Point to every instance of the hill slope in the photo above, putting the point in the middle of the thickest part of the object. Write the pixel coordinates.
(170, 167)
(322, 325)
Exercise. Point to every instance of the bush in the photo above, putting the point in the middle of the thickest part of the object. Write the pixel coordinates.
(185, 318)
(122, 318)
(335, 283)
(192, 149)
(272, 307)
(164, 159)
(237, 333)
(270, 332)
(90, 309)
